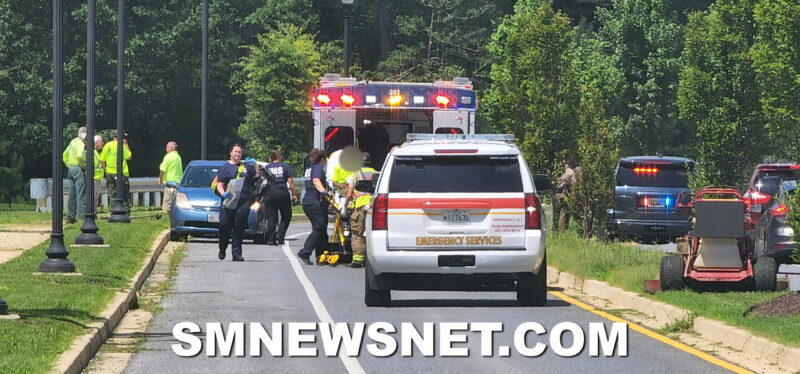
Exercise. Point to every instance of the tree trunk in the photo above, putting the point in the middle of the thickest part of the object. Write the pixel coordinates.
(383, 34)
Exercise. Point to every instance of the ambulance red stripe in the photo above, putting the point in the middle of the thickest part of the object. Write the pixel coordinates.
(457, 203)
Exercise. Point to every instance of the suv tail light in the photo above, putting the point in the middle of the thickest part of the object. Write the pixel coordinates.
(756, 197)
(380, 212)
(533, 215)
(780, 211)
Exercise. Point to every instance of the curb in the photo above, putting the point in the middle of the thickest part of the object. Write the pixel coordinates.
(83, 349)
(713, 330)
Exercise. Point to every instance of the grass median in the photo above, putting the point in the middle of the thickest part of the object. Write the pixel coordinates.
(625, 266)
(56, 309)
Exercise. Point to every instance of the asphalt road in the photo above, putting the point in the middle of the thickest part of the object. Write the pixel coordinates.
(266, 288)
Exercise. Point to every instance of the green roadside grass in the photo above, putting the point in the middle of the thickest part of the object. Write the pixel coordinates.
(55, 309)
(623, 265)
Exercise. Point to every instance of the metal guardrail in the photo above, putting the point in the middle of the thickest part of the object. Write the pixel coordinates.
(145, 191)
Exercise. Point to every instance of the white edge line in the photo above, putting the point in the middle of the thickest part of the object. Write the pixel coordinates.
(350, 363)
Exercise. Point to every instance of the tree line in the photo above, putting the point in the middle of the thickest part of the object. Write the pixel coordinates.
(593, 80)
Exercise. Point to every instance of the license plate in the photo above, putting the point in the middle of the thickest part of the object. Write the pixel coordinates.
(456, 217)
(656, 203)
(213, 217)
(656, 228)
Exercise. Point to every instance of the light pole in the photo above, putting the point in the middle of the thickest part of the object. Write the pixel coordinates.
(89, 229)
(204, 84)
(56, 261)
(119, 214)
(348, 7)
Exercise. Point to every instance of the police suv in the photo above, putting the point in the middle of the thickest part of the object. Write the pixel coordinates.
(459, 213)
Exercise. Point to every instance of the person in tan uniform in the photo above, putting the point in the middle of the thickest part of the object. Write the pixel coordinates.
(560, 209)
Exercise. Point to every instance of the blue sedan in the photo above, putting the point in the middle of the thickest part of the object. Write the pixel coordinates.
(195, 210)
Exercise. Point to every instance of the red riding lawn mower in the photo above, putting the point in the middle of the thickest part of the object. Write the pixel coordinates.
(717, 250)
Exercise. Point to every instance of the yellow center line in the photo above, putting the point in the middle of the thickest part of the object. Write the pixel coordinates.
(654, 335)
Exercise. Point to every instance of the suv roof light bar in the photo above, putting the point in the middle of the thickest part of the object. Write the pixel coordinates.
(507, 138)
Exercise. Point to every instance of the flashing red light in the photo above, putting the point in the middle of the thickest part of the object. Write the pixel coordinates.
(323, 99)
(442, 100)
(348, 100)
(380, 212)
(645, 170)
(780, 210)
(794, 167)
(331, 134)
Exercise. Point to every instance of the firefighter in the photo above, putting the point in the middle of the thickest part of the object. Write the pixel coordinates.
(358, 201)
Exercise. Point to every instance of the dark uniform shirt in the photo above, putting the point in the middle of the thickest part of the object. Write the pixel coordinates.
(315, 171)
(282, 173)
(229, 171)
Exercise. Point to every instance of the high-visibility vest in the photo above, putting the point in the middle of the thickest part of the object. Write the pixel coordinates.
(361, 198)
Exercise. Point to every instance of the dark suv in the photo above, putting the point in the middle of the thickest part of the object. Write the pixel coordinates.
(773, 236)
(764, 183)
(648, 190)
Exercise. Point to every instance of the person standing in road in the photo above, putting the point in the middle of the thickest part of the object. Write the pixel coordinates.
(358, 201)
(99, 169)
(170, 173)
(74, 157)
(280, 198)
(316, 207)
(109, 157)
(560, 208)
(233, 185)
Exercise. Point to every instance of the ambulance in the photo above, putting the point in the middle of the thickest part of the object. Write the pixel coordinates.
(457, 212)
(376, 116)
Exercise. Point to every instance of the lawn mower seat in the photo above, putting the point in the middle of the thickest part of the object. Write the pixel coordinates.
(718, 224)
(723, 218)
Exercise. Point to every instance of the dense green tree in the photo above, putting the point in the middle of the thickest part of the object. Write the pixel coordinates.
(597, 156)
(534, 93)
(280, 72)
(718, 93)
(776, 59)
(646, 39)
(597, 69)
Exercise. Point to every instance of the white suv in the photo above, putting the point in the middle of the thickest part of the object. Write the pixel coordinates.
(460, 213)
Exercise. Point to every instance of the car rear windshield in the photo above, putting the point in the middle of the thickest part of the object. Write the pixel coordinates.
(670, 176)
(199, 176)
(769, 181)
(456, 174)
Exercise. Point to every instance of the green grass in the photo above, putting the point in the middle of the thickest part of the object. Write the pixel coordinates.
(56, 309)
(624, 266)
(31, 217)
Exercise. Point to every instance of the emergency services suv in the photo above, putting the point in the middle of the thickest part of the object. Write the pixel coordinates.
(456, 212)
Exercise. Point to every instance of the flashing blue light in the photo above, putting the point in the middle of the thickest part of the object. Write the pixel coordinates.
(667, 201)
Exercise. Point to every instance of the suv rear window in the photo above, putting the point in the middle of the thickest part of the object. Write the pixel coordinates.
(768, 181)
(670, 176)
(470, 174)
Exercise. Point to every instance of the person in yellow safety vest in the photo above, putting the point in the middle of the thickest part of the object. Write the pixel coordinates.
(109, 156)
(358, 201)
(170, 173)
(99, 169)
(338, 175)
(74, 157)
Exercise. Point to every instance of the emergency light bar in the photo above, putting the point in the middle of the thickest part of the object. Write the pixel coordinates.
(507, 138)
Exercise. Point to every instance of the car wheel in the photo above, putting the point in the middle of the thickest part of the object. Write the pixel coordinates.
(175, 236)
(533, 291)
(765, 274)
(670, 273)
(374, 296)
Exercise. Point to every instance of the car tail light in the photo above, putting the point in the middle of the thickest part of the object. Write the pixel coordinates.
(780, 210)
(533, 212)
(756, 197)
(380, 212)
(323, 99)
